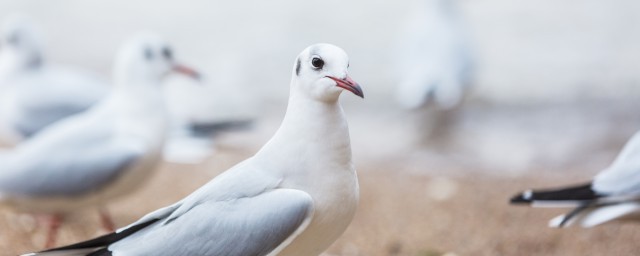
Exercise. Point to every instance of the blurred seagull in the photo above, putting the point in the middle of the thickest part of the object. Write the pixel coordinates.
(192, 142)
(105, 152)
(34, 94)
(434, 57)
(613, 194)
(200, 113)
(294, 197)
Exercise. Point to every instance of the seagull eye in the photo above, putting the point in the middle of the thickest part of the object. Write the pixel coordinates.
(167, 53)
(317, 63)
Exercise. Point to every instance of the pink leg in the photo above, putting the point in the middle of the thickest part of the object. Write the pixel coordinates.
(53, 224)
(105, 220)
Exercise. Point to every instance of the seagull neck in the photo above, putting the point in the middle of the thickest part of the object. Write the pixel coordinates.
(131, 79)
(140, 109)
(314, 132)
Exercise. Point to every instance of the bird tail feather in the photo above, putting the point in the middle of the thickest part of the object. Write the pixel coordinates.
(608, 213)
(94, 247)
(574, 196)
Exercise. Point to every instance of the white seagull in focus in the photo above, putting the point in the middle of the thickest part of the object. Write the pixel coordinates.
(294, 197)
(108, 151)
(612, 194)
(434, 58)
(34, 93)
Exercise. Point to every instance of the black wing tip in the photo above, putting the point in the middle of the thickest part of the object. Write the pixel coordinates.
(583, 192)
(522, 198)
(101, 252)
(103, 241)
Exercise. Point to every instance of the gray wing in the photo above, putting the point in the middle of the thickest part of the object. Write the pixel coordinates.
(63, 170)
(53, 96)
(245, 226)
(38, 116)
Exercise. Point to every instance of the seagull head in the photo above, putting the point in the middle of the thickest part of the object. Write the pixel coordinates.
(20, 44)
(148, 59)
(321, 71)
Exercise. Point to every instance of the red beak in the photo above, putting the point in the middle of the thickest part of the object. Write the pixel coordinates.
(178, 68)
(348, 84)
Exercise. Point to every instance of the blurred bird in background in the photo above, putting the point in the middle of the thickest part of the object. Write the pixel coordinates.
(33, 92)
(434, 65)
(193, 142)
(199, 113)
(103, 153)
(612, 194)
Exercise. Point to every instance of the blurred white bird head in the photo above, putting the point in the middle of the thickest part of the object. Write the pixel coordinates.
(147, 59)
(20, 44)
(320, 71)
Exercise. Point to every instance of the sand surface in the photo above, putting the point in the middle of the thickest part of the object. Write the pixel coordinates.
(421, 196)
(399, 214)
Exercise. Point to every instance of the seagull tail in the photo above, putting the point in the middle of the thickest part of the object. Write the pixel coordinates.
(608, 213)
(74, 252)
(94, 247)
(590, 216)
(568, 219)
(564, 197)
(556, 222)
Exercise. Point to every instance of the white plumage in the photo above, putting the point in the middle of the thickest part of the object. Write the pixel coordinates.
(293, 197)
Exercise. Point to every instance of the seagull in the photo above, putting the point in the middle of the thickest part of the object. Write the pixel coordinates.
(33, 93)
(612, 194)
(199, 114)
(295, 196)
(434, 57)
(106, 152)
(192, 142)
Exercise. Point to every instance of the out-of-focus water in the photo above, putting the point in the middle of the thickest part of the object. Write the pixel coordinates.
(531, 58)
(531, 51)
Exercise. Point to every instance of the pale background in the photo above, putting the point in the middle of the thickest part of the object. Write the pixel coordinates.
(555, 96)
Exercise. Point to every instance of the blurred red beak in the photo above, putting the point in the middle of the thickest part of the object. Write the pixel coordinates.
(178, 68)
(348, 84)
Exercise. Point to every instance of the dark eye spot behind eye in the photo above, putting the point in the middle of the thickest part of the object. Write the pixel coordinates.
(317, 63)
(167, 53)
(148, 53)
(298, 67)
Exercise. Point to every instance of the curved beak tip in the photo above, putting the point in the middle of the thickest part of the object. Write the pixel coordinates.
(358, 91)
(348, 84)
